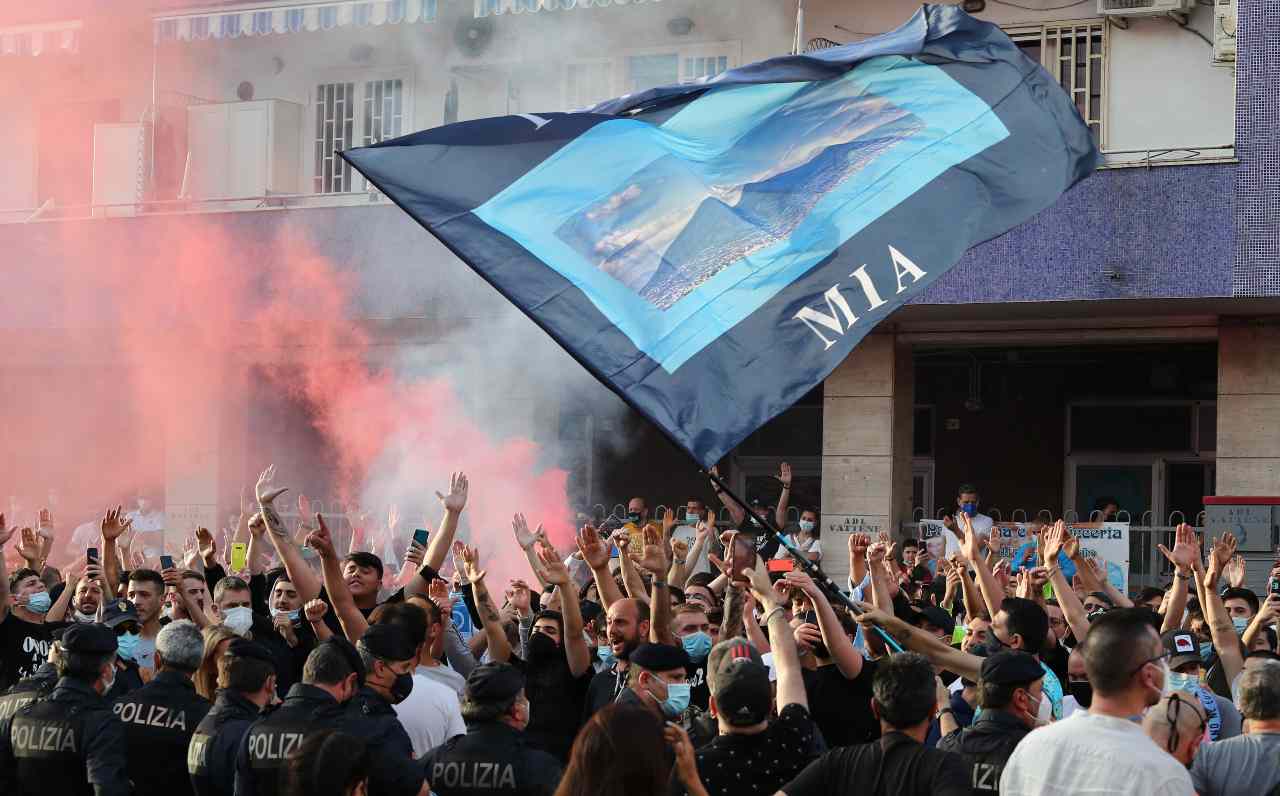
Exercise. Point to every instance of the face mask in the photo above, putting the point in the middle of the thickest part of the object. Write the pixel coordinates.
(293, 615)
(969, 508)
(39, 603)
(677, 701)
(83, 617)
(1040, 717)
(109, 684)
(605, 653)
(1182, 682)
(633, 517)
(167, 611)
(1241, 623)
(239, 619)
(697, 645)
(541, 646)
(1167, 687)
(127, 645)
(1082, 690)
(401, 688)
(1206, 649)
(806, 526)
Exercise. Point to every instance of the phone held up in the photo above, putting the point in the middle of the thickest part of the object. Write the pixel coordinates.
(166, 562)
(420, 536)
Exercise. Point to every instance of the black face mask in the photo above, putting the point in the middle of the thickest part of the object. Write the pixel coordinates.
(401, 688)
(1082, 690)
(634, 517)
(541, 647)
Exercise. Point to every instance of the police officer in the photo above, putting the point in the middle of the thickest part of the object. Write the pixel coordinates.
(246, 673)
(37, 686)
(1010, 687)
(493, 757)
(331, 676)
(122, 618)
(69, 743)
(160, 717)
(389, 657)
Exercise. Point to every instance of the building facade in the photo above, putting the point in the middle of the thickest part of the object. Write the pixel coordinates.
(1121, 344)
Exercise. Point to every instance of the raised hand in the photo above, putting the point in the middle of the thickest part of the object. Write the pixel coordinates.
(858, 544)
(654, 557)
(257, 524)
(1235, 572)
(520, 596)
(1038, 577)
(6, 533)
(264, 490)
(304, 506)
(1054, 538)
(113, 524)
(594, 551)
(758, 580)
(1070, 544)
(393, 517)
(315, 610)
(679, 549)
(469, 557)
(877, 552)
(415, 554)
(456, 500)
(807, 636)
(555, 571)
(44, 524)
(520, 527)
(970, 543)
(1223, 550)
(801, 581)
(321, 540)
(438, 591)
(1184, 553)
(28, 545)
(669, 522)
(784, 475)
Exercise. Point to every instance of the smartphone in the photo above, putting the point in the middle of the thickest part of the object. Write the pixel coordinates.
(166, 562)
(239, 553)
(91, 555)
(781, 565)
(420, 536)
(1273, 586)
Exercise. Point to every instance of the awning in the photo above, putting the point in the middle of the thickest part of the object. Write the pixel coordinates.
(485, 8)
(262, 19)
(54, 37)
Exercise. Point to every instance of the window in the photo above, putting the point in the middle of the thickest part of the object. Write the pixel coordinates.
(589, 82)
(1075, 53)
(350, 112)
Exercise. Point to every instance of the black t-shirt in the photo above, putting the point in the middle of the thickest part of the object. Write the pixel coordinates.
(603, 690)
(556, 701)
(23, 647)
(841, 707)
(699, 691)
(895, 765)
(742, 765)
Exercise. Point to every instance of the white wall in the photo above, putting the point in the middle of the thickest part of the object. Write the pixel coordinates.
(18, 166)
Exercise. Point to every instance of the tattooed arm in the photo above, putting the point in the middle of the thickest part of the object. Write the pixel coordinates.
(499, 646)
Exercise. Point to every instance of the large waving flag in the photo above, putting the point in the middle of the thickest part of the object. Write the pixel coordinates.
(711, 251)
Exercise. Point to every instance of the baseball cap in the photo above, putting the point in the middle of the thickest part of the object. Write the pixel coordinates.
(934, 616)
(739, 681)
(1182, 648)
(1010, 667)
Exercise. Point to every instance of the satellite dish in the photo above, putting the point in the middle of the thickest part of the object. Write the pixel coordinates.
(472, 35)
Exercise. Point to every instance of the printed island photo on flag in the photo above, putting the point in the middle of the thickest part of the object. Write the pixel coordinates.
(711, 251)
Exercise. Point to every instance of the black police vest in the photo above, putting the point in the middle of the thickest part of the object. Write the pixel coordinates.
(271, 741)
(159, 720)
(23, 694)
(49, 746)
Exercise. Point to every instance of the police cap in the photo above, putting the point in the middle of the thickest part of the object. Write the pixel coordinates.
(89, 638)
(659, 657)
(244, 648)
(388, 642)
(494, 682)
(1010, 667)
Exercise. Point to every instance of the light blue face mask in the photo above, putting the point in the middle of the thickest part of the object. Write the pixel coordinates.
(39, 603)
(1241, 623)
(677, 701)
(806, 526)
(697, 645)
(293, 615)
(605, 653)
(1206, 649)
(127, 645)
(1183, 682)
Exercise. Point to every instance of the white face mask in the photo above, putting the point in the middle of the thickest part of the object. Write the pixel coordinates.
(108, 684)
(1166, 687)
(239, 619)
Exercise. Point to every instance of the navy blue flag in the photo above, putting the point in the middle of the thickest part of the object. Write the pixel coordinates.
(711, 251)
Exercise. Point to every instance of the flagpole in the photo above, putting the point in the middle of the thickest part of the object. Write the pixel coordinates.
(824, 582)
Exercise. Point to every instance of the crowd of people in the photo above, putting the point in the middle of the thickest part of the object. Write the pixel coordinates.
(663, 655)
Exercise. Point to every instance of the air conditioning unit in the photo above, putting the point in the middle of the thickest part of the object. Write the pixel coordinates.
(119, 168)
(1143, 8)
(1224, 31)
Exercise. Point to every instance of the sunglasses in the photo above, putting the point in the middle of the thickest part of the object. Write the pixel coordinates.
(126, 627)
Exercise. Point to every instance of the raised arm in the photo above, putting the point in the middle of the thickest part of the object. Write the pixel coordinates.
(630, 575)
(654, 561)
(300, 575)
(786, 660)
(596, 554)
(496, 638)
(441, 542)
(113, 525)
(173, 583)
(736, 512)
(858, 544)
(6, 533)
(1267, 614)
(971, 546)
(527, 539)
(780, 513)
(575, 645)
(848, 659)
(344, 605)
(1183, 557)
(1225, 640)
(1056, 539)
(880, 594)
(938, 652)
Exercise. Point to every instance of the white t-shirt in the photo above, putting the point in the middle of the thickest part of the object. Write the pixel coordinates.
(981, 526)
(431, 714)
(687, 534)
(811, 546)
(1093, 754)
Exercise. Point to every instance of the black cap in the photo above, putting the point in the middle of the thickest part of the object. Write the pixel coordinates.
(89, 638)
(243, 648)
(739, 680)
(1182, 648)
(494, 682)
(659, 657)
(936, 617)
(1010, 667)
(117, 612)
(388, 642)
